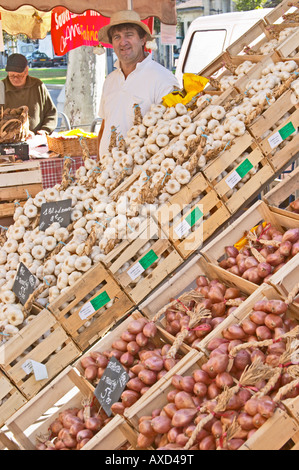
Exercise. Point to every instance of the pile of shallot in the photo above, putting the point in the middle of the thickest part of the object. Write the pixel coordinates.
(268, 250)
(217, 297)
(73, 428)
(145, 362)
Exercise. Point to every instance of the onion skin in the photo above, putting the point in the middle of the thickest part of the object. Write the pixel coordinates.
(291, 235)
(275, 258)
(148, 377)
(264, 269)
(93, 423)
(91, 373)
(231, 251)
(87, 361)
(118, 408)
(135, 326)
(183, 417)
(150, 330)
(161, 424)
(154, 363)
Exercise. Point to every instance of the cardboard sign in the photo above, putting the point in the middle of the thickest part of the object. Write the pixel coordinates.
(24, 284)
(59, 211)
(111, 385)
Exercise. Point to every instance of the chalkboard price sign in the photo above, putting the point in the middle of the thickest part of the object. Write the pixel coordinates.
(24, 284)
(58, 211)
(111, 385)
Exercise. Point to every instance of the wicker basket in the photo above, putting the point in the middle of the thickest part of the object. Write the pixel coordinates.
(14, 125)
(70, 147)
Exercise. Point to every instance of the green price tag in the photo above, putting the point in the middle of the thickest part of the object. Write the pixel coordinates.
(287, 130)
(148, 259)
(244, 168)
(101, 300)
(194, 216)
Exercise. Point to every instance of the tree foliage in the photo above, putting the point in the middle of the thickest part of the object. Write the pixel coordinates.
(246, 5)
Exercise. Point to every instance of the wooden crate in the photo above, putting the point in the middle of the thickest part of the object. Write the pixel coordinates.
(274, 433)
(279, 152)
(286, 278)
(259, 212)
(244, 310)
(157, 398)
(159, 340)
(224, 65)
(292, 406)
(203, 213)
(67, 390)
(185, 280)
(278, 198)
(252, 39)
(289, 47)
(116, 435)
(253, 158)
(277, 13)
(73, 308)
(138, 274)
(6, 443)
(55, 351)
(106, 342)
(18, 181)
(11, 399)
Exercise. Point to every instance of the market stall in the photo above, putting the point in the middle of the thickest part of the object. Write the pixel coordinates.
(159, 271)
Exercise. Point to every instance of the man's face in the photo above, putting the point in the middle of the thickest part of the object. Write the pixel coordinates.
(128, 46)
(18, 79)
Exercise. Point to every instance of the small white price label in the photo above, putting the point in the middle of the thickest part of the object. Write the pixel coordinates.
(233, 179)
(39, 369)
(275, 140)
(182, 229)
(86, 311)
(135, 271)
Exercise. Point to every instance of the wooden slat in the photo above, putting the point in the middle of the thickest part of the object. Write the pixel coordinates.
(283, 190)
(66, 309)
(214, 250)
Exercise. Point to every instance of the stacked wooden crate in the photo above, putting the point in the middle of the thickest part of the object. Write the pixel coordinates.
(259, 213)
(192, 215)
(18, 182)
(44, 341)
(274, 434)
(143, 260)
(89, 308)
(283, 193)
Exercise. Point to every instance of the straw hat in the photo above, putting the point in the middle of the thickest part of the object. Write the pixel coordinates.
(123, 17)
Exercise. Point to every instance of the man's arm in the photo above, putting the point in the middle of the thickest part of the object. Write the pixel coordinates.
(50, 114)
(99, 139)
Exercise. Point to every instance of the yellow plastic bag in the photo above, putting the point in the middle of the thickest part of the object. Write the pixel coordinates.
(77, 133)
(192, 85)
(241, 243)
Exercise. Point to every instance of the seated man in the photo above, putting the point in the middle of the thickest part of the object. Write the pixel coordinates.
(23, 90)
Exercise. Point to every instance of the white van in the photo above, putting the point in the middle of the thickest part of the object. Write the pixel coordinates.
(209, 36)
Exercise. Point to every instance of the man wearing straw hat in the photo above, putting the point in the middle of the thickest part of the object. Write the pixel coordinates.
(137, 80)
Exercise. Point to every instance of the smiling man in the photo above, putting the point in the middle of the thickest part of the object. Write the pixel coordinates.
(137, 79)
(21, 89)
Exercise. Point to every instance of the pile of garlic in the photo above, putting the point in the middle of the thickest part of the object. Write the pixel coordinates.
(269, 46)
(228, 80)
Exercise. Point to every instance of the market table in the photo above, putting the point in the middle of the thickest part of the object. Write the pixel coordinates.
(51, 169)
(51, 164)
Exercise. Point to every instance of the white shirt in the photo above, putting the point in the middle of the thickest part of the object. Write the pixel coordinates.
(147, 84)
